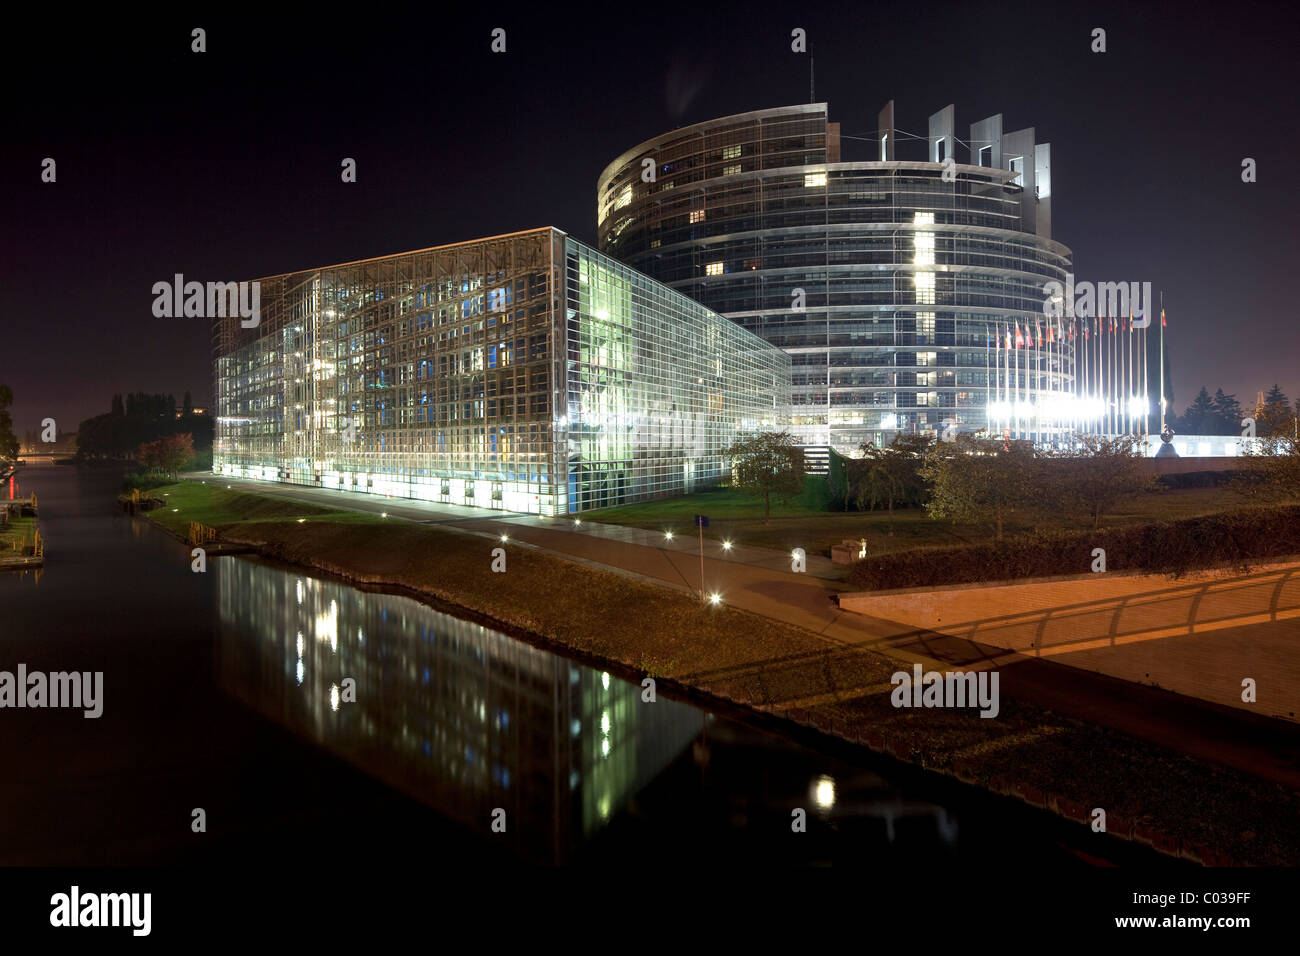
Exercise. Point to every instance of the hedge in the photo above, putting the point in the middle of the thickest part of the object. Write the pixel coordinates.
(1234, 538)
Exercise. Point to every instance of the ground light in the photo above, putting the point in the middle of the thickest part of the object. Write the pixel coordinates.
(715, 598)
(824, 791)
(668, 535)
(301, 520)
(726, 546)
(505, 537)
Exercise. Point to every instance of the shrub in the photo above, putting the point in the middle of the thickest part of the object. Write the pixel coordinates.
(143, 481)
(1167, 547)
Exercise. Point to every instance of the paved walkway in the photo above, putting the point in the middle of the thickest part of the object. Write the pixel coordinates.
(761, 581)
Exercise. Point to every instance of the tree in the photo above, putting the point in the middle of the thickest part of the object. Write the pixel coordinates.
(982, 479)
(1275, 413)
(1226, 415)
(8, 440)
(1199, 416)
(1099, 472)
(168, 454)
(1271, 464)
(767, 464)
(892, 475)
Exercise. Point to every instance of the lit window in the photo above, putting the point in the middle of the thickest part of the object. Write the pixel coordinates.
(731, 152)
(814, 179)
(1017, 166)
(925, 288)
(713, 269)
(697, 215)
(731, 170)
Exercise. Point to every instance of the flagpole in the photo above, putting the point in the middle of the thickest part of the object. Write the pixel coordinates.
(1127, 345)
(1103, 350)
(1162, 361)
(1114, 373)
(1146, 393)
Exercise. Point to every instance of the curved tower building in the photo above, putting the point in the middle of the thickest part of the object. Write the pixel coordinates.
(892, 283)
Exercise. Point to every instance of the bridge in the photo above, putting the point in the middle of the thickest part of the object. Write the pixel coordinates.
(45, 458)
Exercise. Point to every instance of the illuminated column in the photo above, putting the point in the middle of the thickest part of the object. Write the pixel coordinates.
(923, 243)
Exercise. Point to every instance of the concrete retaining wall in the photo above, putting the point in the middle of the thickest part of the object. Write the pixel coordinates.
(1199, 635)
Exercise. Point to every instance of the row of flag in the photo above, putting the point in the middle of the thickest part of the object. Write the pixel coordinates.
(1060, 331)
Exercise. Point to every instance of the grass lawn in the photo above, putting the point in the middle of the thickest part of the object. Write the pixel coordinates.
(16, 530)
(224, 509)
(739, 517)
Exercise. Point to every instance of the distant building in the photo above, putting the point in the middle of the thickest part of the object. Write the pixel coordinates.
(884, 280)
(525, 372)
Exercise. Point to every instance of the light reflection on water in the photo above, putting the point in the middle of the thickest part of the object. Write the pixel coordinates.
(457, 715)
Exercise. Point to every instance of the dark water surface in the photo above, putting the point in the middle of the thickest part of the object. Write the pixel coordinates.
(226, 691)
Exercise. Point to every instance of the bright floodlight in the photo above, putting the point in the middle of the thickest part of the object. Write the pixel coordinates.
(715, 598)
(726, 546)
(824, 792)
(505, 537)
(668, 535)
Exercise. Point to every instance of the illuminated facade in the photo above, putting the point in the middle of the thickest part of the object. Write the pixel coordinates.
(525, 372)
(889, 282)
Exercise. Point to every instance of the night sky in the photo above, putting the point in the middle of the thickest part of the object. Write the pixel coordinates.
(226, 165)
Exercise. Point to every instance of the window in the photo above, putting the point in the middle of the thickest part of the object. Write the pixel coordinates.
(624, 197)
(713, 269)
(697, 215)
(731, 152)
(1017, 166)
(731, 170)
(985, 156)
(814, 179)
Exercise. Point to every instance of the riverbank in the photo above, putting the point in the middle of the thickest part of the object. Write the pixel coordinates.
(1183, 806)
(18, 537)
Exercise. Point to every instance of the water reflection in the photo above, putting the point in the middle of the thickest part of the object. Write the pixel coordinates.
(458, 715)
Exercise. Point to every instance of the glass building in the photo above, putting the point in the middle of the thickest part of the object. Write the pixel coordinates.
(891, 283)
(525, 372)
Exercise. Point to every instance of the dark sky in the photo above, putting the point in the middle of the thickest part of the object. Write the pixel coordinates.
(225, 165)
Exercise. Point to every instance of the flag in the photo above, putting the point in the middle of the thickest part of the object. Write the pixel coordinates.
(1020, 339)
(1008, 338)
(1163, 323)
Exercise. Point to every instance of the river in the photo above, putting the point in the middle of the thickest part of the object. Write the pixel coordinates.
(308, 719)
